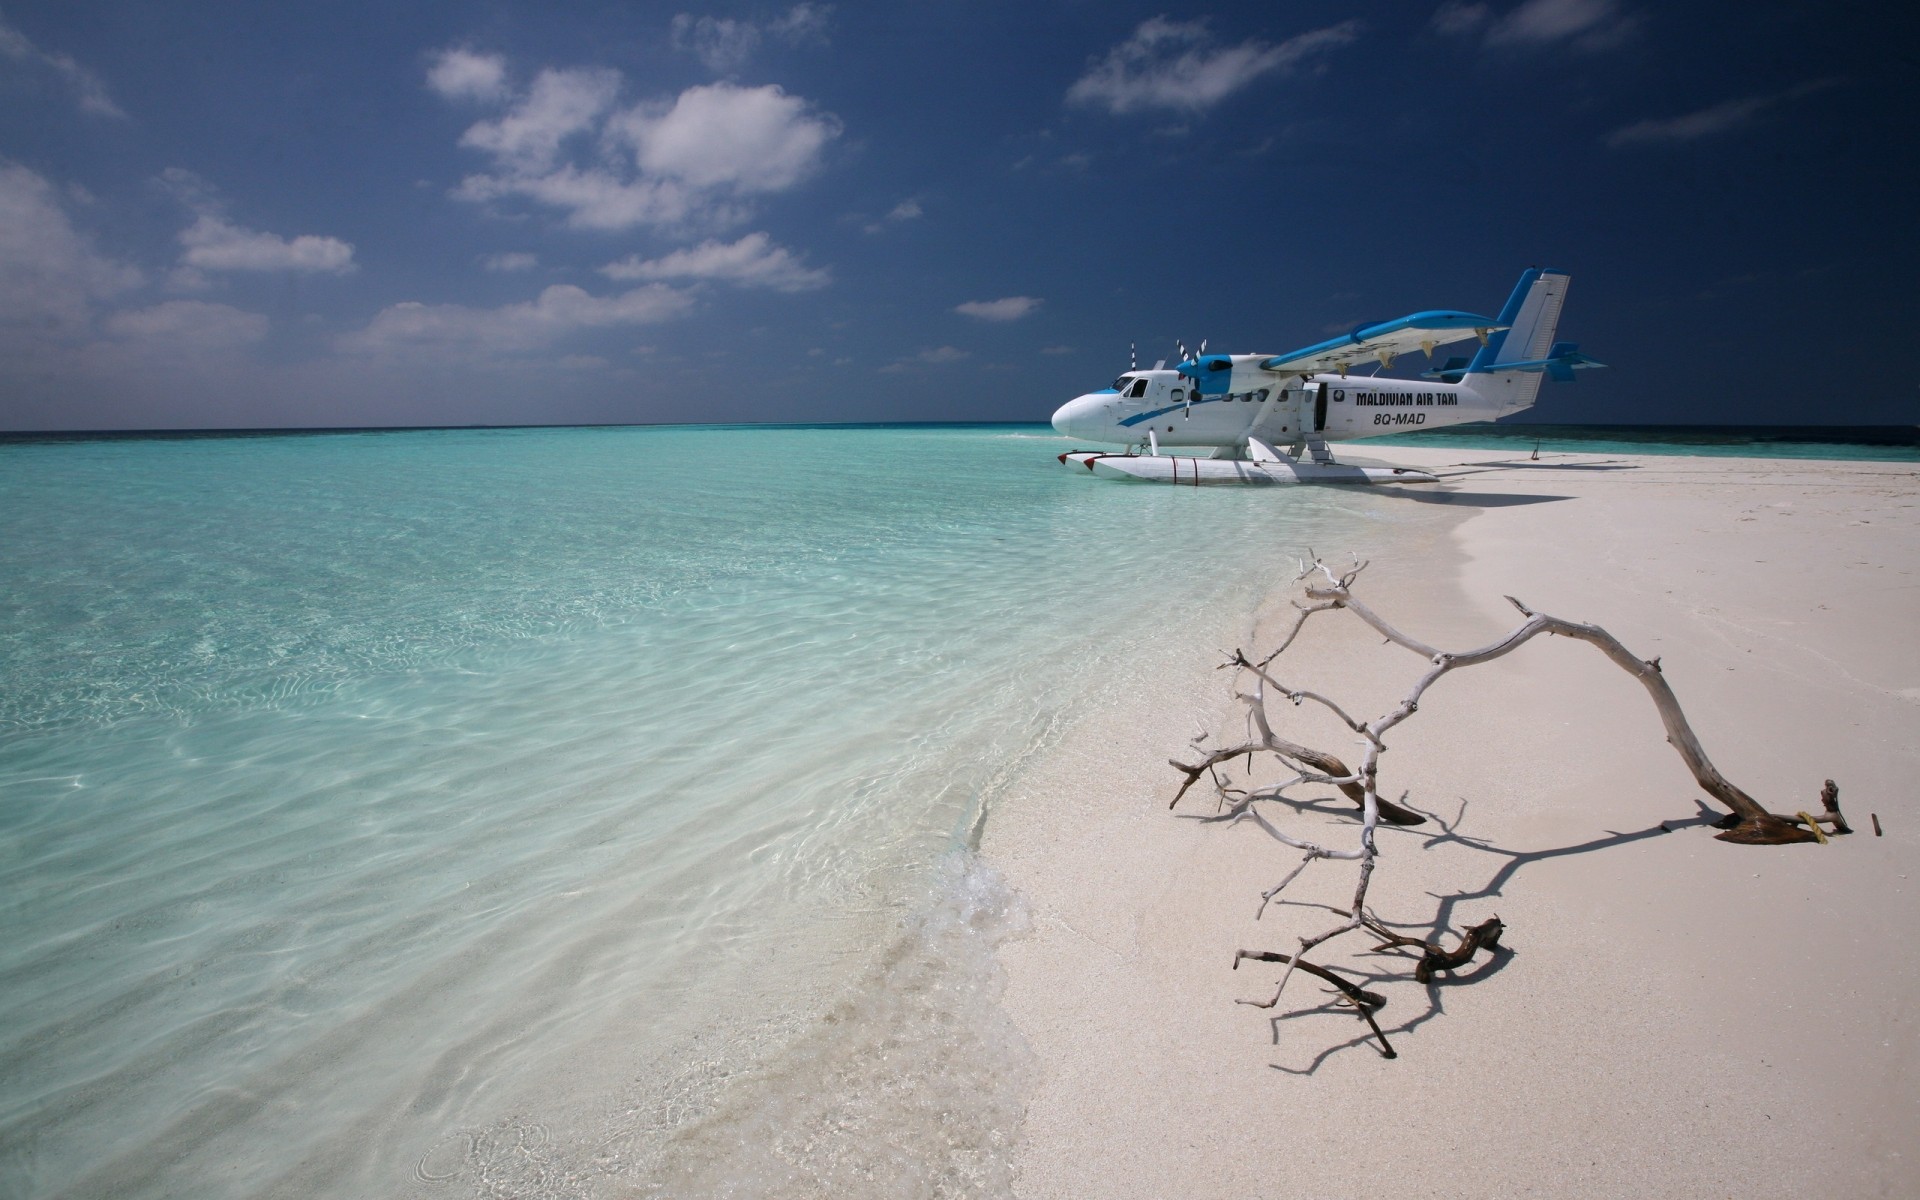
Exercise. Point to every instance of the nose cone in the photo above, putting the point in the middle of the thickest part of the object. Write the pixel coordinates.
(1073, 418)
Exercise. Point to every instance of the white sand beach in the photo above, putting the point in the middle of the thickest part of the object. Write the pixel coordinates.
(1674, 1015)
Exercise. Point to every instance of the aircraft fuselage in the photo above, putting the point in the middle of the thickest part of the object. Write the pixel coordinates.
(1251, 402)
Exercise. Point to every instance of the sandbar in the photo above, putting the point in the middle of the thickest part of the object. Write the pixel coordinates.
(1673, 1015)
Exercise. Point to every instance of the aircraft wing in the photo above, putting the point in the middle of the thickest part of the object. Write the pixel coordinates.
(1384, 341)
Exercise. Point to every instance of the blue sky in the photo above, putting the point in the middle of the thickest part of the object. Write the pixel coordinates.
(244, 215)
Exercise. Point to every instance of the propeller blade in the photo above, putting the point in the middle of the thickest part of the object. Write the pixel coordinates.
(1133, 358)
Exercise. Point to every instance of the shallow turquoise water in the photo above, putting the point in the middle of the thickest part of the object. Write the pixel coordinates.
(473, 812)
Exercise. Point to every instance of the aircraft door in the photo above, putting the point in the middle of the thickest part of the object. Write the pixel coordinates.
(1320, 408)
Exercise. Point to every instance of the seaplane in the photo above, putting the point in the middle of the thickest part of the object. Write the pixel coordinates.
(1242, 407)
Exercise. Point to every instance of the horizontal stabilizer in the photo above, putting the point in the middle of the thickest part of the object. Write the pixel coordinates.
(1450, 373)
(1559, 365)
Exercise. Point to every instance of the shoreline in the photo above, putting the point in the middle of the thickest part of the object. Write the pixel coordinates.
(1676, 1015)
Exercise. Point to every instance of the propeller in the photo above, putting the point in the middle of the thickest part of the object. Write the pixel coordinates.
(1133, 358)
(1193, 358)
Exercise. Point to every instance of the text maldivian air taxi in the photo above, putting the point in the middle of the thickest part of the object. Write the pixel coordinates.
(1245, 405)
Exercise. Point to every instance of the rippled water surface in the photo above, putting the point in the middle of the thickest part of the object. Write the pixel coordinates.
(549, 812)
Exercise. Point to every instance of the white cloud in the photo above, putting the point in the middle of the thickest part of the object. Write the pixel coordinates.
(720, 136)
(88, 88)
(1178, 65)
(215, 244)
(685, 160)
(1460, 16)
(188, 279)
(1583, 24)
(463, 75)
(512, 261)
(721, 43)
(939, 356)
(595, 198)
(1540, 22)
(753, 261)
(906, 210)
(724, 44)
(560, 104)
(1007, 308)
(559, 311)
(189, 324)
(803, 24)
(50, 274)
(1707, 122)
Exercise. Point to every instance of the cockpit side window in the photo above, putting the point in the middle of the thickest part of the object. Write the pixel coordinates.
(1139, 389)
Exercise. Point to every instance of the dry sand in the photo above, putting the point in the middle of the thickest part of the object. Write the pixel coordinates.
(1676, 1017)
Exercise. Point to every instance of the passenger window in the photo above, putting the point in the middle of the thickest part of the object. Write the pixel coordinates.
(1178, 395)
(1139, 389)
(1261, 395)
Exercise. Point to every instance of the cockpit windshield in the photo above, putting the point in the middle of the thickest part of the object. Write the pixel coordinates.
(1120, 384)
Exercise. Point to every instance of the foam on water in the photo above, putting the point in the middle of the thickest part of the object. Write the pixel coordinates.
(548, 813)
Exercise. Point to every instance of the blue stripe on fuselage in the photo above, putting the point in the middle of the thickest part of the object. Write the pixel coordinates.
(1136, 418)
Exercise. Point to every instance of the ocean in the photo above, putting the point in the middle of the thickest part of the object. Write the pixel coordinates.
(562, 812)
(553, 812)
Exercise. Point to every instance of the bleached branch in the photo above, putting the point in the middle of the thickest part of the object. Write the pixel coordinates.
(1748, 822)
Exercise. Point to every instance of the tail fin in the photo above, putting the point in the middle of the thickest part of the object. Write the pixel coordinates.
(1531, 316)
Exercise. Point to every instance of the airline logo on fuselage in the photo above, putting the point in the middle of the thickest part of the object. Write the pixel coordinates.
(1365, 399)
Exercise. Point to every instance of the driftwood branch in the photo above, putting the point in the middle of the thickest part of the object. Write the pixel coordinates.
(1363, 1002)
(1484, 936)
(1747, 822)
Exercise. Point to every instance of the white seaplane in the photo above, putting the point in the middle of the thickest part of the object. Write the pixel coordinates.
(1245, 405)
